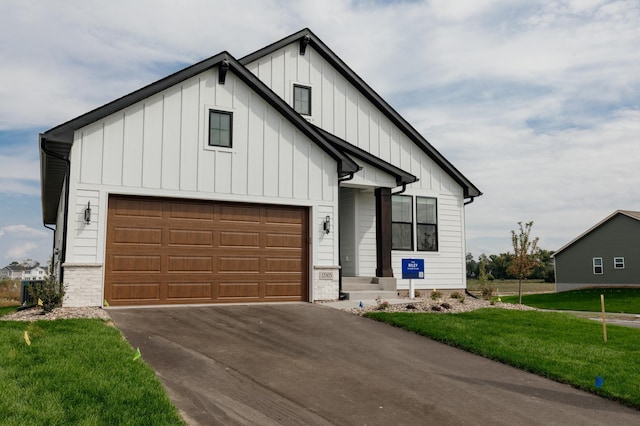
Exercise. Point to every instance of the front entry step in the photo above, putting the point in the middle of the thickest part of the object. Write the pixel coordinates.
(369, 288)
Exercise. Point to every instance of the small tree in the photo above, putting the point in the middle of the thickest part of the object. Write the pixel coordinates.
(524, 260)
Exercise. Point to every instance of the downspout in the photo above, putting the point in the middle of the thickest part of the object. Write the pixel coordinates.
(471, 200)
(53, 249)
(63, 256)
(341, 295)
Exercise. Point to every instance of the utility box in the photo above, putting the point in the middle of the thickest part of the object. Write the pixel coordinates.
(25, 297)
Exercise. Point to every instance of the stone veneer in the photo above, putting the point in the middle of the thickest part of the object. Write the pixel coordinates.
(83, 284)
(326, 283)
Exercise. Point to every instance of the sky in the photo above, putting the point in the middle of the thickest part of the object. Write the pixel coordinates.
(536, 102)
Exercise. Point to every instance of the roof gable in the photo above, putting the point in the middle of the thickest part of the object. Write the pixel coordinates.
(307, 38)
(55, 144)
(629, 213)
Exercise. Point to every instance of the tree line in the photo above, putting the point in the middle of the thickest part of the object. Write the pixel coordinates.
(497, 266)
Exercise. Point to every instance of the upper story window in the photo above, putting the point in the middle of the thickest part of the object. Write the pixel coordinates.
(402, 222)
(618, 262)
(427, 223)
(597, 266)
(220, 128)
(302, 99)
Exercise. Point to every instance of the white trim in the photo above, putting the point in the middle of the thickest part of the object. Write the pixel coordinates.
(601, 266)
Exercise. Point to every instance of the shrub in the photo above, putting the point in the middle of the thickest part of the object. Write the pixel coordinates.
(456, 295)
(486, 292)
(382, 305)
(436, 294)
(49, 291)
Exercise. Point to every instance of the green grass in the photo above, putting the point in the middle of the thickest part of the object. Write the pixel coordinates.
(618, 300)
(551, 344)
(5, 310)
(78, 372)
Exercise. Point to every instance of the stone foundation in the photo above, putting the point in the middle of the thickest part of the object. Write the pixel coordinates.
(326, 283)
(83, 284)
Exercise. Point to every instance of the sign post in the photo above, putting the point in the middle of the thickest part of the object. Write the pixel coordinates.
(412, 269)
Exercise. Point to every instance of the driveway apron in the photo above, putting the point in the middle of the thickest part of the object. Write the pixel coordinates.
(295, 364)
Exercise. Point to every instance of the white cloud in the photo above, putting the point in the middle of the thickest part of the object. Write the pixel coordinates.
(23, 231)
(20, 251)
(535, 102)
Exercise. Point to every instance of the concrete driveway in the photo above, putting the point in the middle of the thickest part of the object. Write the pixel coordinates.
(295, 364)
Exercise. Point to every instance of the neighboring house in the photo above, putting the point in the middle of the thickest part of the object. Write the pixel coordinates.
(248, 180)
(12, 272)
(608, 254)
(25, 273)
(34, 274)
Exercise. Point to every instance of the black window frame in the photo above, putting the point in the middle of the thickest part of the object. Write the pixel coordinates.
(295, 99)
(219, 131)
(395, 224)
(426, 224)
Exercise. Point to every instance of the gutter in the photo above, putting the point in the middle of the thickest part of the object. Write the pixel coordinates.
(63, 255)
(471, 200)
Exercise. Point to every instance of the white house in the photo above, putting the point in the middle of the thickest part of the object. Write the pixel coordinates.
(22, 272)
(260, 179)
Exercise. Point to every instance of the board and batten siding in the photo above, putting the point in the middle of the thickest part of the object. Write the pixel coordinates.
(339, 108)
(158, 147)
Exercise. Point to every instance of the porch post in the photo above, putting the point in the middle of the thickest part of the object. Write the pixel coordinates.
(383, 232)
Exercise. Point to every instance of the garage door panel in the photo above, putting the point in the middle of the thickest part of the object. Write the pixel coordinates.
(166, 251)
(243, 290)
(239, 214)
(192, 264)
(190, 211)
(136, 235)
(135, 264)
(190, 237)
(135, 291)
(281, 289)
(189, 291)
(282, 216)
(134, 207)
(239, 239)
(283, 240)
(283, 265)
(239, 265)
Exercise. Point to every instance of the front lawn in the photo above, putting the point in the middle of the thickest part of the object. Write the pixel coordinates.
(78, 371)
(618, 300)
(554, 345)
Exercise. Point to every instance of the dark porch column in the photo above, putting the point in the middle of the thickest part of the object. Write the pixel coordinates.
(383, 232)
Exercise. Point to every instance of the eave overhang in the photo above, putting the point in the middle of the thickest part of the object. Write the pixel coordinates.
(307, 38)
(60, 138)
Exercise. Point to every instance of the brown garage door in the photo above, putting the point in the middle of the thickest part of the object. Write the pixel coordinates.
(170, 251)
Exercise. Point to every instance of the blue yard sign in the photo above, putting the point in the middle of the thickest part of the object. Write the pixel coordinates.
(412, 269)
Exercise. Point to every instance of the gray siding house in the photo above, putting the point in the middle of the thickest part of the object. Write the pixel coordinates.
(608, 254)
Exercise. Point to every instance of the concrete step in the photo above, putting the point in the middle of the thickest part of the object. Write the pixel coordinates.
(350, 286)
(370, 295)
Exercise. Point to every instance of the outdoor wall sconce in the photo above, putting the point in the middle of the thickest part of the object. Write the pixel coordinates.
(327, 224)
(87, 213)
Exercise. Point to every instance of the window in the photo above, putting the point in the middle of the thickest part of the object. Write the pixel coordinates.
(427, 223)
(618, 262)
(220, 127)
(597, 265)
(402, 222)
(302, 99)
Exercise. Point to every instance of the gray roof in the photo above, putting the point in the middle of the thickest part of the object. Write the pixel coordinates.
(308, 37)
(629, 213)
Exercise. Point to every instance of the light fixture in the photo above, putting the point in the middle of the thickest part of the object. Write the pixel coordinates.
(87, 213)
(327, 224)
